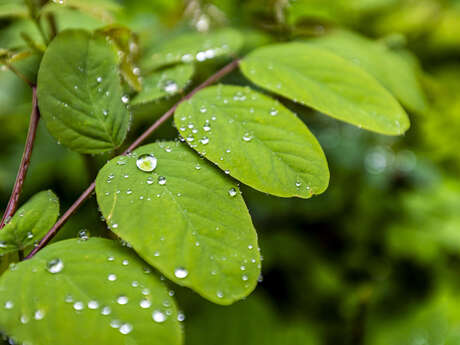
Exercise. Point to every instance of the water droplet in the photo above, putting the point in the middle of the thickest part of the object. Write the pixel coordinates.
(204, 140)
(122, 300)
(180, 272)
(93, 304)
(24, 319)
(206, 127)
(145, 303)
(115, 323)
(180, 316)
(83, 234)
(9, 305)
(55, 266)
(232, 192)
(203, 109)
(158, 316)
(106, 311)
(126, 328)
(99, 79)
(161, 180)
(125, 262)
(170, 86)
(273, 111)
(39, 315)
(112, 277)
(247, 137)
(78, 306)
(245, 277)
(146, 162)
(125, 99)
(220, 294)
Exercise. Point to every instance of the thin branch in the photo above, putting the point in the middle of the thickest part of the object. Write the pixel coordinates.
(19, 74)
(13, 202)
(87, 193)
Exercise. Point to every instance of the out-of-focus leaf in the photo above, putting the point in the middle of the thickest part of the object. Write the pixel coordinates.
(30, 222)
(388, 67)
(164, 83)
(254, 139)
(79, 93)
(327, 82)
(101, 9)
(184, 217)
(101, 294)
(12, 8)
(192, 47)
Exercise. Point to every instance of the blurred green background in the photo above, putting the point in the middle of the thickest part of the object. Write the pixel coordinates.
(376, 259)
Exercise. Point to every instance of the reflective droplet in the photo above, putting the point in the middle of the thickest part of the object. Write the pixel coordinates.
(247, 137)
(112, 277)
(78, 306)
(220, 294)
(126, 328)
(170, 86)
(106, 311)
(93, 304)
(146, 162)
(158, 316)
(9, 305)
(145, 303)
(122, 300)
(55, 266)
(180, 316)
(162, 180)
(125, 99)
(204, 140)
(39, 315)
(180, 272)
(232, 192)
(273, 112)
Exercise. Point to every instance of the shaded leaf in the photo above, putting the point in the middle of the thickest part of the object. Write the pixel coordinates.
(191, 47)
(387, 66)
(73, 292)
(255, 139)
(30, 222)
(165, 83)
(13, 8)
(328, 83)
(185, 218)
(101, 9)
(80, 95)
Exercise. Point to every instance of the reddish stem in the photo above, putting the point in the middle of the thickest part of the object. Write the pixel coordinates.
(87, 193)
(14, 199)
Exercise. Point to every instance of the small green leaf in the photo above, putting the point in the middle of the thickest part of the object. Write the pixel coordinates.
(86, 292)
(184, 217)
(165, 83)
(79, 92)
(13, 8)
(191, 47)
(255, 139)
(30, 222)
(387, 66)
(328, 83)
(101, 9)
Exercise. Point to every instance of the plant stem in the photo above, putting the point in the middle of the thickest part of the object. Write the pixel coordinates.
(87, 193)
(14, 199)
(19, 74)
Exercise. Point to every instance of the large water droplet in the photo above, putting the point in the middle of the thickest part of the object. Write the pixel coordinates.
(146, 162)
(158, 316)
(55, 266)
(145, 303)
(180, 272)
(78, 306)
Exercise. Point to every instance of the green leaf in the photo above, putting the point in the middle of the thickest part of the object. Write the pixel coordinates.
(255, 139)
(101, 9)
(328, 83)
(30, 222)
(94, 292)
(13, 8)
(185, 218)
(388, 67)
(191, 47)
(79, 93)
(165, 83)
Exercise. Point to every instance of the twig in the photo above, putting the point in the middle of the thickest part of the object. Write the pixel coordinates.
(13, 202)
(87, 193)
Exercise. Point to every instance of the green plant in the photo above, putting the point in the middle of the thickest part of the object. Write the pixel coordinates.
(175, 204)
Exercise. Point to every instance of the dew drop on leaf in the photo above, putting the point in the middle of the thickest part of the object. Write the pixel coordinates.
(55, 266)
(158, 316)
(146, 163)
(232, 192)
(180, 272)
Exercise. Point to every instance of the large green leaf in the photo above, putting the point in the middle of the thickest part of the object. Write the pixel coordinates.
(395, 72)
(255, 139)
(165, 83)
(12, 8)
(30, 222)
(79, 92)
(86, 292)
(191, 47)
(184, 217)
(326, 82)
